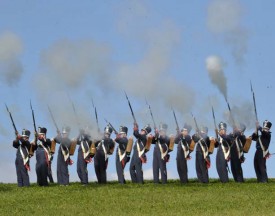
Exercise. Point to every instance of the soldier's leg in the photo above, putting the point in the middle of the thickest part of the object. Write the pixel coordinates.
(18, 173)
(262, 166)
(25, 176)
(97, 168)
(163, 171)
(79, 166)
(256, 166)
(119, 171)
(139, 171)
(155, 167)
(132, 170)
(199, 167)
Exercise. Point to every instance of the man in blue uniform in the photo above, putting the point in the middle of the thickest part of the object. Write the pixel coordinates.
(42, 146)
(183, 139)
(139, 155)
(121, 155)
(223, 154)
(83, 157)
(63, 158)
(104, 148)
(22, 144)
(160, 155)
(262, 153)
(237, 154)
(202, 155)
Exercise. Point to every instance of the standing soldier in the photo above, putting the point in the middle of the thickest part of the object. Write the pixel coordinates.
(223, 154)
(104, 148)
(84, 157)
(262, 153)
(22, 144)
(237, 153)
(122, 157)
(63, 158)
(183, 139)
(202, 154)
(42, 146)
(139, 155)
(160, 155)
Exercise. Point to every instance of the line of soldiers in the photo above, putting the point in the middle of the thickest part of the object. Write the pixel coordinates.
(230, 148)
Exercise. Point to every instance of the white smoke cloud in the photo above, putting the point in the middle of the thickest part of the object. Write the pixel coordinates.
(214, 66)
(224, 19)
(11, 67)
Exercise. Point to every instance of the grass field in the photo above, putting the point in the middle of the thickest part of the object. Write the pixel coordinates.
(249, 198)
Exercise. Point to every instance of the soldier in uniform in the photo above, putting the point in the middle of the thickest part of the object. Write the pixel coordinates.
(104, 149)
(83, 157)
(42, 146)
(262, 153)
(183, 139)
(63, 158)
(122, 157)
(22, 144)
(237, 154)
(139, 155)
(223, 144)
(202, 155)
(160, 155)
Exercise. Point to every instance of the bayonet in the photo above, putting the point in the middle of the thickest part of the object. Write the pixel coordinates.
(135, 121)
(151, 113)
(11, 119)
(52, 117)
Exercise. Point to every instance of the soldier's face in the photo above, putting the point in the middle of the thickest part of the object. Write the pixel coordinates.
(41, 136)
(26, 138)
(184, 132)
(222, 132)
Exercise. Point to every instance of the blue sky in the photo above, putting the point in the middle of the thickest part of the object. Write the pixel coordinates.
(181, 54)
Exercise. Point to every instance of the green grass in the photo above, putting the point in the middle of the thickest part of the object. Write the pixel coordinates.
(249, 198)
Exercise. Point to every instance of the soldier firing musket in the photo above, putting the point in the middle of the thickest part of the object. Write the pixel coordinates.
(262, 145)
(42, 146)
(22, 144)
(202, 152)
(223, 142)
(183, 140)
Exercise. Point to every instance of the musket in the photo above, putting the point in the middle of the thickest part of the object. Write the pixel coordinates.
(96, 116)
(177, 125)
(135, 121)
(33, 118)
(111, 126)
(196, 124)
(230, 112)
(254, 101)
(76, 117)
(155, 127)
(57, 129)
(215, 124)
(11, 120)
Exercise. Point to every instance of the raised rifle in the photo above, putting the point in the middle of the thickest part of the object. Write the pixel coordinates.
(155, 127)
(96, 116)
(196, 124)
(254, 102)
(15, 130)
(230, 112)
(33, 118)
(215, 124)
(75, 114)
(135, 121)
(177, 125)
(57, 129)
